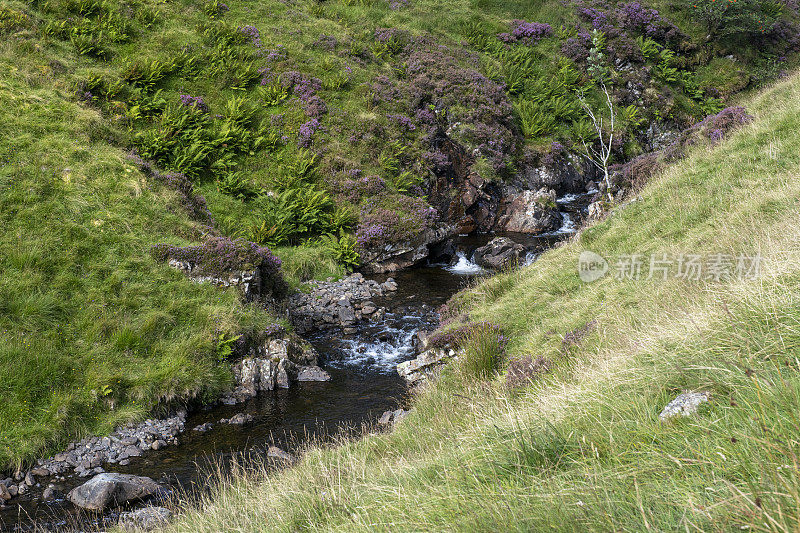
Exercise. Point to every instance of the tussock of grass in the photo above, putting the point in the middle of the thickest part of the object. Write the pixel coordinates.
(582, 448)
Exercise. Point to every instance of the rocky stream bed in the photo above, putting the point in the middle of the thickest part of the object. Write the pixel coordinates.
(342, 373)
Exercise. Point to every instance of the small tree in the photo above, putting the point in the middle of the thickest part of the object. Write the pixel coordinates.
(605, 133)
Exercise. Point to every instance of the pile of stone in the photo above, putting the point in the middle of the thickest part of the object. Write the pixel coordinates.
(87, 457)
(344, 303)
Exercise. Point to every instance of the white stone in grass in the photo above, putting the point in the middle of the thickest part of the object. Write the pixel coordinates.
(685, 404)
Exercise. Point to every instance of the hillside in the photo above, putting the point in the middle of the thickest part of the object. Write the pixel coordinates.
(336, 135)
(580, 446)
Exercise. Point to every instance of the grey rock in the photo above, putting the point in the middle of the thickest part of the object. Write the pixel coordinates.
(392, 417)
(312, 373)
(104, 490)
(277, 453)
(159, 444)
(424, 365)
(146, 519)
(202, 428)
(4, 494)
(239, 419)
(30, 479)
(685, 404)
(499, 253)
(51, 493)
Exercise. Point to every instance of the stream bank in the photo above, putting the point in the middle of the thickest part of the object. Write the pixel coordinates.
(360, 354)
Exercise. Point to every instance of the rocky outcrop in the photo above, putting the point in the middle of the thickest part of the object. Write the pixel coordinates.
(425, 365)
(531, 212)
(343, 303)
(146, 519)
(526, 204)
(398, 256)
(105, 490)
(252, 284)
(499, 253)
(274, 363)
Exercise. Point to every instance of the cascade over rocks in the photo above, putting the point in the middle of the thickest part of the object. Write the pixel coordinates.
(526, 204)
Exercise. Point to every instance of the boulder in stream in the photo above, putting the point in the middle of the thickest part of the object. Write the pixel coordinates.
(108, 489)
(499, 253)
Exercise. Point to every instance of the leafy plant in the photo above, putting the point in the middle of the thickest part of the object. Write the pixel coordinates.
(273, 94)
(224, 346)
(343, 249)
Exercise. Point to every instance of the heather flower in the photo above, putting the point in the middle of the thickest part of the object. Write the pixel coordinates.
(194, 205)
(222, 255)
(529, 32)
(195, 102)
(325, 42)
(393, 219)
(315, 107)
(403, 122)
(252, 34)
(306, 133)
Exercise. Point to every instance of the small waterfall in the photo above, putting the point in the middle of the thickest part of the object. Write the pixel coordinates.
(464, 266)
(380, 347)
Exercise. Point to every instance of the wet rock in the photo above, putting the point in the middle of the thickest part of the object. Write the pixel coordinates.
(104, 490)
(312, 373)
(392, 417)
(158, 445)
(4, 494)
(530, 212)
(146, 519)
(30, 479)
(398, 256)
(202, 428)
(40, 471)
(13, 490)
(425, 365)
(684, 404)
(239, 419)
(334, 304)
(51, 493)
(499, 253)
(277, 453)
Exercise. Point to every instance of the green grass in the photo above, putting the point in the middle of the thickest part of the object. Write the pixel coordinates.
(582, 448)
(93, 332)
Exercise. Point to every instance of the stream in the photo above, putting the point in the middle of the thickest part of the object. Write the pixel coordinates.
(364, 384)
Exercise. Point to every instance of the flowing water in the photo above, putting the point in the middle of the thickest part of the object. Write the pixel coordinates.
(364, 384)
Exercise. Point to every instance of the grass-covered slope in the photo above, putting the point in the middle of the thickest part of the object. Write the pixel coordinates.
(582, 447)
(93, 331)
